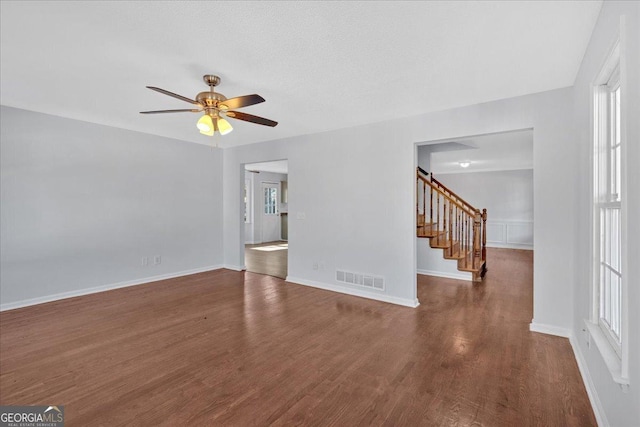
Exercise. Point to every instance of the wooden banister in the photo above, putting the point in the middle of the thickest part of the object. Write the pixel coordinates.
(444, 187)
(467, 208)
(428, 177)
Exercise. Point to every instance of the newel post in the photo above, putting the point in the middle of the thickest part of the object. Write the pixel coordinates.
(484, 234)
(477, 224)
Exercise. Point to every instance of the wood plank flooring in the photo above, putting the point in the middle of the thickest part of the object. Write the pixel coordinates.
(267, 258)
(233, 348)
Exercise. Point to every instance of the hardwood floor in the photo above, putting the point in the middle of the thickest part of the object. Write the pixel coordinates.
(233, 348)
(267, 258)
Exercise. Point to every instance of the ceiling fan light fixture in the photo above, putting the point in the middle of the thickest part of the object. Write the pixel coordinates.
(205, 125)
(224, 126)
(212, 104)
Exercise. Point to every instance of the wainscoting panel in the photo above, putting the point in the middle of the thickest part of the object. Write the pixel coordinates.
(510, 234)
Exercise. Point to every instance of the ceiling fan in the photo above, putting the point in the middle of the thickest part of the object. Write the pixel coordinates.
(216, 107)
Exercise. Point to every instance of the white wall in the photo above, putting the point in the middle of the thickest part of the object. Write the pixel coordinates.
(333, 191)
(612, 404)
(83, 203)
(508, 197)
(424, 157)
(356, 189)
(431, 262)
(253, 230)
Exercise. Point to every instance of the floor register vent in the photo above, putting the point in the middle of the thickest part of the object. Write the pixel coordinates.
(359, 279)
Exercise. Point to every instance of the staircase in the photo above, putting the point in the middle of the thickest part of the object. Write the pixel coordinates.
(451, 224)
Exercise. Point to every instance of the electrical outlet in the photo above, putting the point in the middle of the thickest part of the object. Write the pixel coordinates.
(315, 265)
(145, 261)
(157, 260)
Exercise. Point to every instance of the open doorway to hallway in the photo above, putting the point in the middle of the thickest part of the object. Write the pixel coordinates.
(466, 175)
(266, 215)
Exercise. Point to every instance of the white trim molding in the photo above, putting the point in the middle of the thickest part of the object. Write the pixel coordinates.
(509, 234)
(234, 267)
(609, 355)
(596, 405)
(549, 329)
(354, 292)
(447, 275)
(103, 288)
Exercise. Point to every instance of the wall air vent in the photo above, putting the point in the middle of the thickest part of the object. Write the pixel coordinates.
(360, 279)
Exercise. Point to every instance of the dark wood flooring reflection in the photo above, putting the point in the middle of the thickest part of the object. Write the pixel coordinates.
(267, 258)
(243, 349)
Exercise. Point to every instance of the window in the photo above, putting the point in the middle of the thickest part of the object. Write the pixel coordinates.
(247, 201)
(608, 204)
(270, 201)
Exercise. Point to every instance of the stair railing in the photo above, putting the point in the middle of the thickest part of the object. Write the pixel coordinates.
(452, 223)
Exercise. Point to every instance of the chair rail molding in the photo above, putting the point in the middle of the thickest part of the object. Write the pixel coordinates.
(511, 234)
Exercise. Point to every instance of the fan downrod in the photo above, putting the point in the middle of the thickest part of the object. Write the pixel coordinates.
(211, 80)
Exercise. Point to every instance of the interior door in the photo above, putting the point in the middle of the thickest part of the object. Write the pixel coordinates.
(270, 212)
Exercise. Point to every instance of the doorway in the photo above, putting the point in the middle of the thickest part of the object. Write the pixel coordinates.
(490, 171)
(266, 214)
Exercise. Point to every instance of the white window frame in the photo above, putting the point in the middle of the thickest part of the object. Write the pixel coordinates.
(608, 204)
(275, 202)
(613, 348)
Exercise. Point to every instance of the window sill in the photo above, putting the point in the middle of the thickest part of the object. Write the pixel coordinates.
(611, 359)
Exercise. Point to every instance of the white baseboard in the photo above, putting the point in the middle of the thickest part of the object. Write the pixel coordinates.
(509, 246)
(596, 405)
(549, 329)
(103, 288)
(235, 267)
(354, 292)
(458, 276)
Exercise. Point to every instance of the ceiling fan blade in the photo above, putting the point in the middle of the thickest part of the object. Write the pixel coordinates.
(251, 118)
(175, 95)
(171, 111)
(241, 101)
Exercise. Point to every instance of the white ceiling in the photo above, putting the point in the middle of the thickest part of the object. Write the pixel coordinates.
(279, 166)
(493, 152)
(319, 65)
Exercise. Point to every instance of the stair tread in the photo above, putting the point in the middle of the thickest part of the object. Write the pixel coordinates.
(426, 230)
(455, 255)
(442, 244)
(426, 236)
(423, 224)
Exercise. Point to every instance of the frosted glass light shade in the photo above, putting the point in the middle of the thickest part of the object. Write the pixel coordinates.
(205, 125)
(224, 126)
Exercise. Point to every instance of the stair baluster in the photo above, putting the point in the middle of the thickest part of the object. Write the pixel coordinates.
(438, 219)
(451, 241)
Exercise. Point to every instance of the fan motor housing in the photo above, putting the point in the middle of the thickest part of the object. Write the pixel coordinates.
(210, 99)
